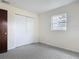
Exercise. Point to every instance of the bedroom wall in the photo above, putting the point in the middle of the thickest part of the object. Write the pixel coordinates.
(11, 16)
(70, 38)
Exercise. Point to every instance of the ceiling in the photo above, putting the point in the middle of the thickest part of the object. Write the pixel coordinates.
(39, 6)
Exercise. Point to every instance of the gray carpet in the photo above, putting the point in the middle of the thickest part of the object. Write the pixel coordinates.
(38, 51)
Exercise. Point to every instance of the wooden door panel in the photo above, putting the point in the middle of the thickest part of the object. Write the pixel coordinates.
(3, 30)
(0, 42)
(4, 38)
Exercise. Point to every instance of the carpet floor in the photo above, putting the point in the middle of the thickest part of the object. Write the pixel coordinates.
(38, 51)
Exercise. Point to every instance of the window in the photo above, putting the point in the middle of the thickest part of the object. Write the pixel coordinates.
(59, 22)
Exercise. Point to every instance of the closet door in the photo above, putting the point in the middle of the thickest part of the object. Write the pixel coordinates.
(3, 31)
(23, 30)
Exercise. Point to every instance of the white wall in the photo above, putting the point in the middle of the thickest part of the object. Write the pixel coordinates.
(11, 16)
(70, 38)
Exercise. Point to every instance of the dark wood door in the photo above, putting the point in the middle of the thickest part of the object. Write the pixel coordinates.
(3, 31)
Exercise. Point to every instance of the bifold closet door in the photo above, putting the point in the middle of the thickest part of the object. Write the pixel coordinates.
(3, 31)
(23, 30)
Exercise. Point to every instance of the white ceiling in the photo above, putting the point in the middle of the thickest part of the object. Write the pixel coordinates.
(39, 6)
